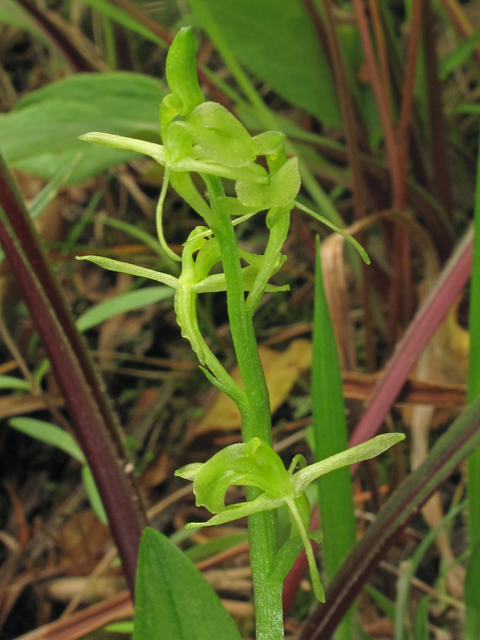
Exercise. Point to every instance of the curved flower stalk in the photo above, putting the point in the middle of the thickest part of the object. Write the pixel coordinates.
(255, 464)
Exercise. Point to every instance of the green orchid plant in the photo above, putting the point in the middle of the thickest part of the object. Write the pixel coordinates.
(205, 138)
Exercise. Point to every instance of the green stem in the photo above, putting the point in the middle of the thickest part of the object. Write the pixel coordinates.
(255, 419)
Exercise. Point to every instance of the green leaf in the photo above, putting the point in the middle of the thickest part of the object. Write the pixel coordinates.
(121, 304)
(49, 434)
(276, 40)
(173, 601)
(40, 134)
(10, 382)
(131, 269)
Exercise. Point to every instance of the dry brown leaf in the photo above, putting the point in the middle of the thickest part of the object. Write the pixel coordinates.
(82, 538)
(281, 372)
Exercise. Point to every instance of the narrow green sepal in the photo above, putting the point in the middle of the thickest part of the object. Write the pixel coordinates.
(364, 451)
(131, 269)
(189, 471)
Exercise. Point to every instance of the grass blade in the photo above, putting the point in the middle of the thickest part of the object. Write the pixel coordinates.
(472, 584)
(49, 434)
(330, 432)
(122, 303)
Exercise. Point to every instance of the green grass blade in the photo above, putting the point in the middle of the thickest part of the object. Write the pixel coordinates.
(10, 382)
(473, 466)
(109, 10)
(93, 495)
(472, 597)
(420, 630)
(49, 434)
(50, 190)
(122, 303)
(330, 431)
(134, 231)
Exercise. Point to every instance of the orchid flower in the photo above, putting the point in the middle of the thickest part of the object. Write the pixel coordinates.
(256, 464)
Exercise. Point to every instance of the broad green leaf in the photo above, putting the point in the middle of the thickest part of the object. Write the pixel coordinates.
(121, 304)
(276, 40)
(10, 382)
(49, 434)
(173, 601)
(131, 269)
(40, 134)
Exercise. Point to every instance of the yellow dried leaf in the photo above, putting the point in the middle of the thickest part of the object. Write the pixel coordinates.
(281, 372)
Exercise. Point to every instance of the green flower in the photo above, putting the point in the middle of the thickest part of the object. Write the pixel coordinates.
(255, 464)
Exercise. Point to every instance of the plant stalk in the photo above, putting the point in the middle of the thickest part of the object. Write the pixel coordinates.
(255, 419)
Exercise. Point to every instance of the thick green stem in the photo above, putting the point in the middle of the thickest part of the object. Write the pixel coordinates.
(255, 419)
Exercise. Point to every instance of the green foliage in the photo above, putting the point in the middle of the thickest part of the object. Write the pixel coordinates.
(54, 436)
(276, 40)
(172, 597)
(40, 134)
